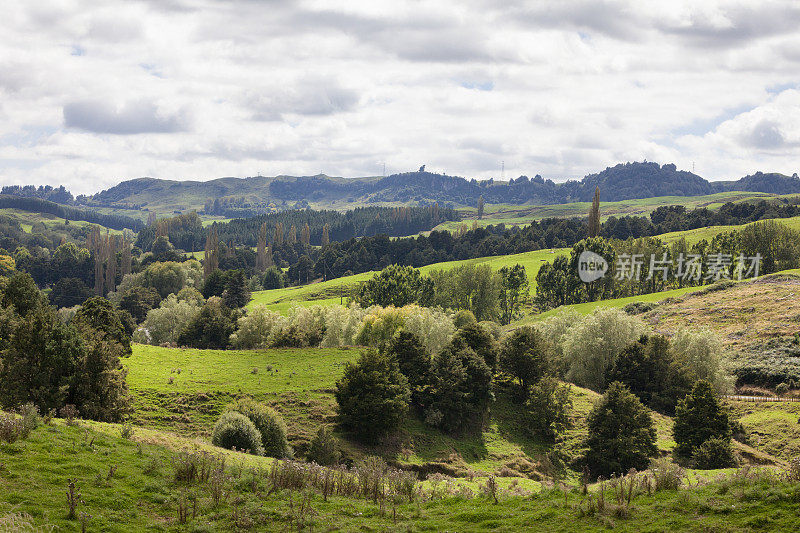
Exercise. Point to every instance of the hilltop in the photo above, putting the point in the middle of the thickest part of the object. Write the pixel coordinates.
(621, 182)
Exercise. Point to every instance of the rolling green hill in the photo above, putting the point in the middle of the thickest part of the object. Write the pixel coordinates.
(337, 290)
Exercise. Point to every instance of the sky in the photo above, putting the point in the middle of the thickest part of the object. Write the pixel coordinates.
(93, 93)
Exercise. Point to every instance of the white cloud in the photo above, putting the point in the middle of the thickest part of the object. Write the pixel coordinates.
(92, 93)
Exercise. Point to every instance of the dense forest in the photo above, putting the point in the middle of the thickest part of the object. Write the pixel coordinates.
(187, 232)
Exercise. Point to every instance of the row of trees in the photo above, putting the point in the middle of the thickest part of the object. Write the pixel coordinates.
(677, 265)
(489, 295)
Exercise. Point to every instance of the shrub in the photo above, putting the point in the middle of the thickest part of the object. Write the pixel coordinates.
(621, 433)
(235, 431)
(480, 339)
(324, 448)
(701, 353)
(29, 414)
(11, 428)
(464, 318)
(591, 346)
(699, 417)
(165, 324)
(372, 395)
(523, 356)
(637, 308)
(714, 453)
(666, 474)
(211, 328)
(548, 407)
(256, 328)
(268, 423)
(782, 389)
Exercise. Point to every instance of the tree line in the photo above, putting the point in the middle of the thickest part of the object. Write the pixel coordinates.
(38, 205)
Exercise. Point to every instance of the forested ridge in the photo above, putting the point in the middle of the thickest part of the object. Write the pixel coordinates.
(620, 182)
(38, 205)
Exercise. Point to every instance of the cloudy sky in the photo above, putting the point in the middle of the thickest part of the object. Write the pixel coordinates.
(92, 92)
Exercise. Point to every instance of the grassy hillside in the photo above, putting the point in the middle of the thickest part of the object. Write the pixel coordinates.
(516, 215)
(142, 493)
(184, 390)
(337, 290)
(708, 233)
(27, 220)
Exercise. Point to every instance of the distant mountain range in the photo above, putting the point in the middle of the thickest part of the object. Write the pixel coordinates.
(621, 182)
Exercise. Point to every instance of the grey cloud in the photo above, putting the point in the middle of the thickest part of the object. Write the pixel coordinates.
(608, 17)
(132, 118)
(765, 135)
(309, 96)
(746, 23)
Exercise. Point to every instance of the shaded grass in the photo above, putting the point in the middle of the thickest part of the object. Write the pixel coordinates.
(35, 472)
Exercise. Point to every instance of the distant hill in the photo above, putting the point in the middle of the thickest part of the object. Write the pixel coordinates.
(234, 196)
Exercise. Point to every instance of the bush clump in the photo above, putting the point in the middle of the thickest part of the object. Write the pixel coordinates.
(714, 453)
(235, 431)
(269, 424)
(373, 396)
(324, 448)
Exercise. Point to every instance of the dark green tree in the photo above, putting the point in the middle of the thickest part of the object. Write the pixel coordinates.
(138, 301)
(236, 294)
(648, 368)
(40, 361)
(214, 284)
(523, 356)
(395, 285)
(513, 292)
(414, 362)
(212, 327)
(21, 292)
(480, 339)
(99, 388)
(621, 433)
(99, 314)
(273, 278)
(602, 288)
(699, 417)
(69, 292)
(462, 389)
(372, 395)
(548, 406)
(594, 215)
